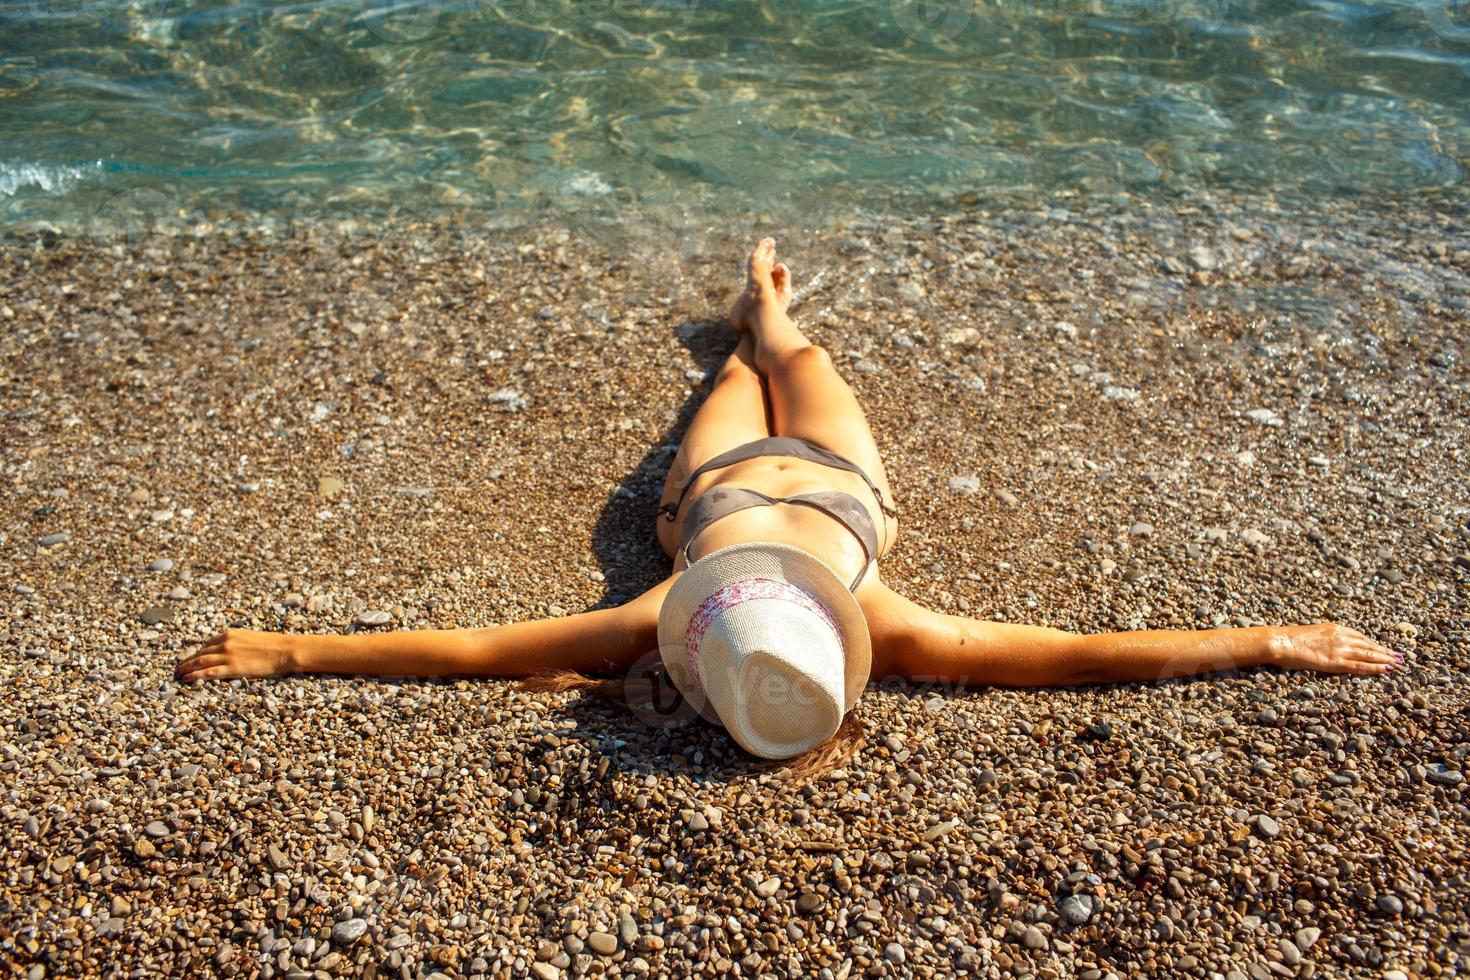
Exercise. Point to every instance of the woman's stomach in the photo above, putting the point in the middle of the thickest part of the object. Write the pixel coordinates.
(793, 524)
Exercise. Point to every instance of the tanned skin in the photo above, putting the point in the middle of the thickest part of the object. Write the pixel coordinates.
(778, 383)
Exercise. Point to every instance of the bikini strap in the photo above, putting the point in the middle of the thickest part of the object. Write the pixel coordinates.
(730, 457)
(878, 496)
(789, 446)
(869, 558)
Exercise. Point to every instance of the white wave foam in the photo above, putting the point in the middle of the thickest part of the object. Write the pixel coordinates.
(50, 178)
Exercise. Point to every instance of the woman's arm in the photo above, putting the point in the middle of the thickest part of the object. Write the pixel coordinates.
(601, 641)
(927, 646)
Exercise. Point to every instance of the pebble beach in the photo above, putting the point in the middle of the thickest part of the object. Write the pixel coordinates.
(1105, 413)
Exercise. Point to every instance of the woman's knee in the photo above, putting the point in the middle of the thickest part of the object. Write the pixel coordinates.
(810, 357)
(738, 372)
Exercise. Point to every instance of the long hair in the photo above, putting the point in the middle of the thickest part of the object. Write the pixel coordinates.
(639, 688)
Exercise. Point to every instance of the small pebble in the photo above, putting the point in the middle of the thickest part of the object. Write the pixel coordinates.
(1444, 775)
(154, 615)
(940, 829)
(1076, 909)
(808, 902)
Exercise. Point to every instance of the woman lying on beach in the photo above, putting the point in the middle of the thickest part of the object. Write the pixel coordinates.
(776, 512)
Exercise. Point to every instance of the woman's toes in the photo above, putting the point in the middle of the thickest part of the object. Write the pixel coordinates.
(760, 261)
(781, 276)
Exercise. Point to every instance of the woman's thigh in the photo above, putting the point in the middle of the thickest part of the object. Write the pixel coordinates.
(810, 400)
(734, 413)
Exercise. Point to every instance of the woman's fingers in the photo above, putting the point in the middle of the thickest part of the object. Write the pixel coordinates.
(1357, 640)
(198, 662)
(207, 674)
(186, 664)
(1369, 648)
(1374, 653)
(1339, 649)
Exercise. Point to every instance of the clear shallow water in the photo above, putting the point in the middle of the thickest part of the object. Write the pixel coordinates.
(132, 113)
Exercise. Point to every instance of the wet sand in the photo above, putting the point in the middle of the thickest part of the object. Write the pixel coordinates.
(1109, 416)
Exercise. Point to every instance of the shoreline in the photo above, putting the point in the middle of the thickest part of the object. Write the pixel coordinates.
(1280, 399)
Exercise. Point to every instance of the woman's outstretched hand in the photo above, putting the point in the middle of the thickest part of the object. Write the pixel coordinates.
(1331, 648)
(239, 653)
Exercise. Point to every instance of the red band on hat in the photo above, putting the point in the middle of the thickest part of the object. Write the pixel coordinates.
(728, 596)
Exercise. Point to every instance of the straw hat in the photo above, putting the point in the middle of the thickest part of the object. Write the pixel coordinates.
(766, 640)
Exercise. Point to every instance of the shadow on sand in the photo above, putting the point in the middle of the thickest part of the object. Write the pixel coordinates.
(623, 539)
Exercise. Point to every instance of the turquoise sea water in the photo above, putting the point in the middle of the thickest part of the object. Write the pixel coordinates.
(135, 112)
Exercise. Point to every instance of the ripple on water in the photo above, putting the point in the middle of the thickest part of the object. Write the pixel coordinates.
(555, 106)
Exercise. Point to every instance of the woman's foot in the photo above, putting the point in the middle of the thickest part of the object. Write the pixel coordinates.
(767, 285)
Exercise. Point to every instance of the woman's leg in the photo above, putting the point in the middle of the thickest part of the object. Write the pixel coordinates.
(809, 399)
(735, 413)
